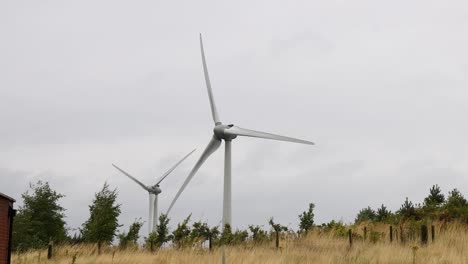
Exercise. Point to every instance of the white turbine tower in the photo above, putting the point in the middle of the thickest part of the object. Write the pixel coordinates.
(226, 133)
(153, 192)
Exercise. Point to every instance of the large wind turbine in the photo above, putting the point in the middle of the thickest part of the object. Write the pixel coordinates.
(226, 133)
(153, 192)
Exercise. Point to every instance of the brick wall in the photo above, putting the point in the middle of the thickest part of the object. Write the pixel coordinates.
(4, 229)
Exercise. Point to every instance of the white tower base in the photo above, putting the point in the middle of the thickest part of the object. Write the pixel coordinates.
(155, 213)
(227, 211)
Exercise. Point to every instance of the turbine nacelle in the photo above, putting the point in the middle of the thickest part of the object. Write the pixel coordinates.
(154, 189)
(220, 132)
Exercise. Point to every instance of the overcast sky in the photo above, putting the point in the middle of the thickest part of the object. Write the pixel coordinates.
(380, 86)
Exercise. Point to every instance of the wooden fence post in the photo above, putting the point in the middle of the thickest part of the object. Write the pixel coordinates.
(49, 250)
(424, 234)
(350, 235)
(99, 244)
(391, 234)
(365, 233)
(402, 239)
(277, 239)
(432, 232)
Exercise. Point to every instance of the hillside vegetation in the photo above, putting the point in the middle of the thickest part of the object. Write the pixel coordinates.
(377, 235)
(317, 247)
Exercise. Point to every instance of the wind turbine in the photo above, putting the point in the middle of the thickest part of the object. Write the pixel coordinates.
(153, 192)
(226, 133)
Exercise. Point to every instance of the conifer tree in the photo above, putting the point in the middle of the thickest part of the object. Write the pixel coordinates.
(382, 213)
(365, 214)
(306, 219)
(435, 198)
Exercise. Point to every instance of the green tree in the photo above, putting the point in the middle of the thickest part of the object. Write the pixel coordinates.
(382, 213)
(230, 238)
(151, 241)
(456, 199)
(161, 235)
(432, 206)
(181, 235)
(338, 228)
(365, 214)
(240, 236)
(456, 205)
(213, 235)
(277, 228)
(258, 234)
(408, 210)
(199, 230)
(101, 227)
(130, 238)
(40, 219)
(134, 231)
(226, 236)
(202, 232)
(306, 219)
(435, 198)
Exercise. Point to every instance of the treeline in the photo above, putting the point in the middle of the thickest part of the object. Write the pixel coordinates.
(40, 221)
(435, 207)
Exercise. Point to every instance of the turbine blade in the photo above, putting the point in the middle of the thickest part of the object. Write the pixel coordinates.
(212, 147)
(235, 130)
(131, 177)
(214, 112)
(173, 167)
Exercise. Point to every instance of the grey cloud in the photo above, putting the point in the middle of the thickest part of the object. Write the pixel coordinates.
(380, 87)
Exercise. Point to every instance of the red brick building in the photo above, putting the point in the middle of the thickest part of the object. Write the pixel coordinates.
(6, 220)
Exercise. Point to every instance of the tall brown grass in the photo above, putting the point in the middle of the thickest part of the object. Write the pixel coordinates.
(450, 246)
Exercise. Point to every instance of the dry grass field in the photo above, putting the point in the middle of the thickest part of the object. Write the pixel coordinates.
(450, 246)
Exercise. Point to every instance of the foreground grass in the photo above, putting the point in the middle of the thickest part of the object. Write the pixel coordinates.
(450, 246)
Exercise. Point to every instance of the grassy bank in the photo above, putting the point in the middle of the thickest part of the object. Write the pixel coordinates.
(450, 246)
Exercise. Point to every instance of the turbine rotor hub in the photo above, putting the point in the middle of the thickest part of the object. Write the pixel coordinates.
(155, 189)
(219, 132)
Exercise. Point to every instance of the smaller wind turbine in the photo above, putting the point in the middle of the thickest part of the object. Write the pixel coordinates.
(153, 192)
